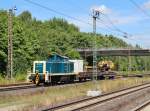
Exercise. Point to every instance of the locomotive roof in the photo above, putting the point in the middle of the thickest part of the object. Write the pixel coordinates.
(55, 54)
(57, 57)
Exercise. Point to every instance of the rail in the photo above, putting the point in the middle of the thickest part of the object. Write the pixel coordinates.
(91, 101)
(142, 106)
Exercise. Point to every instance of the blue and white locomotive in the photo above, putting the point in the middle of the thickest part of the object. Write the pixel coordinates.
(56, 69)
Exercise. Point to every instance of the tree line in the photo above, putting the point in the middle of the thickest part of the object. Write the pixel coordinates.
(36, 39)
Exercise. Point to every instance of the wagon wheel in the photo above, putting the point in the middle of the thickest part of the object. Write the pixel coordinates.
(37, 79)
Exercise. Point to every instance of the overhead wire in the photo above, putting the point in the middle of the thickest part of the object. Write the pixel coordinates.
(115, 27)
(79, 20)
(60, 13)
(57, 12)
(141, 9)
(108, 27)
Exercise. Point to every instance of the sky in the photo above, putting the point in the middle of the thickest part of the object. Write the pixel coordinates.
(117, 17)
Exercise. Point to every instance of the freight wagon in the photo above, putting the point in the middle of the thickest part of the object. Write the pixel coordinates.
(56, 69)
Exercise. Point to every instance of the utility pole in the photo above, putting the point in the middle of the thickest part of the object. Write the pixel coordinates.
(95, 16)
(10, 44)
(95, 91)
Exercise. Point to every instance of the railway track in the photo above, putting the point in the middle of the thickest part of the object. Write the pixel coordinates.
(16, 87)
(15, 84)
(19, 86)
(33, 86)
(142, 106)
(93, 101)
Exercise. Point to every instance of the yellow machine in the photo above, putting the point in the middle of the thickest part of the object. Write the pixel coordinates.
(104, 70)
(106, 65)
(102, 66)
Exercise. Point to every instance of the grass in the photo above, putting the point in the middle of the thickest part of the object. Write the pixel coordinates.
(133, 72)
(17, 79)
(55, 95)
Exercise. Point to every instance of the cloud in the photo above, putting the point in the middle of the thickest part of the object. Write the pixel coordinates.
(115, 16)
(146, 5)
(102, 9)
(123, 20)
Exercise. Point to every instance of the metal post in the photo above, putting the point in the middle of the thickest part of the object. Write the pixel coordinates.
(85, 59)
(94, 50)
(10, 46)
(145, 60)
(119, 63)
(95, 16)
(129, 69)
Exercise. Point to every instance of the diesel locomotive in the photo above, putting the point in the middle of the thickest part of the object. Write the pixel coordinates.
(56, 69)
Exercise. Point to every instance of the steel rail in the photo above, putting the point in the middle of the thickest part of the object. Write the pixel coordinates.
(15, 84)
(59, 107)
(11, 88)
(142, 106)
(109, 99)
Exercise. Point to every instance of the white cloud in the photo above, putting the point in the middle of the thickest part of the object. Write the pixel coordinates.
(123, 20)
(115, 16)
(104, 23)
(146, 5)
(102, 9)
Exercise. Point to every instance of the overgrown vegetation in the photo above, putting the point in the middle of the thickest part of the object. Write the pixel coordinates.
(35, 39)
(19, 78)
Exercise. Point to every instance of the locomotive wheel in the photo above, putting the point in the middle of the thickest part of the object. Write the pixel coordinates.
(37, 79)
